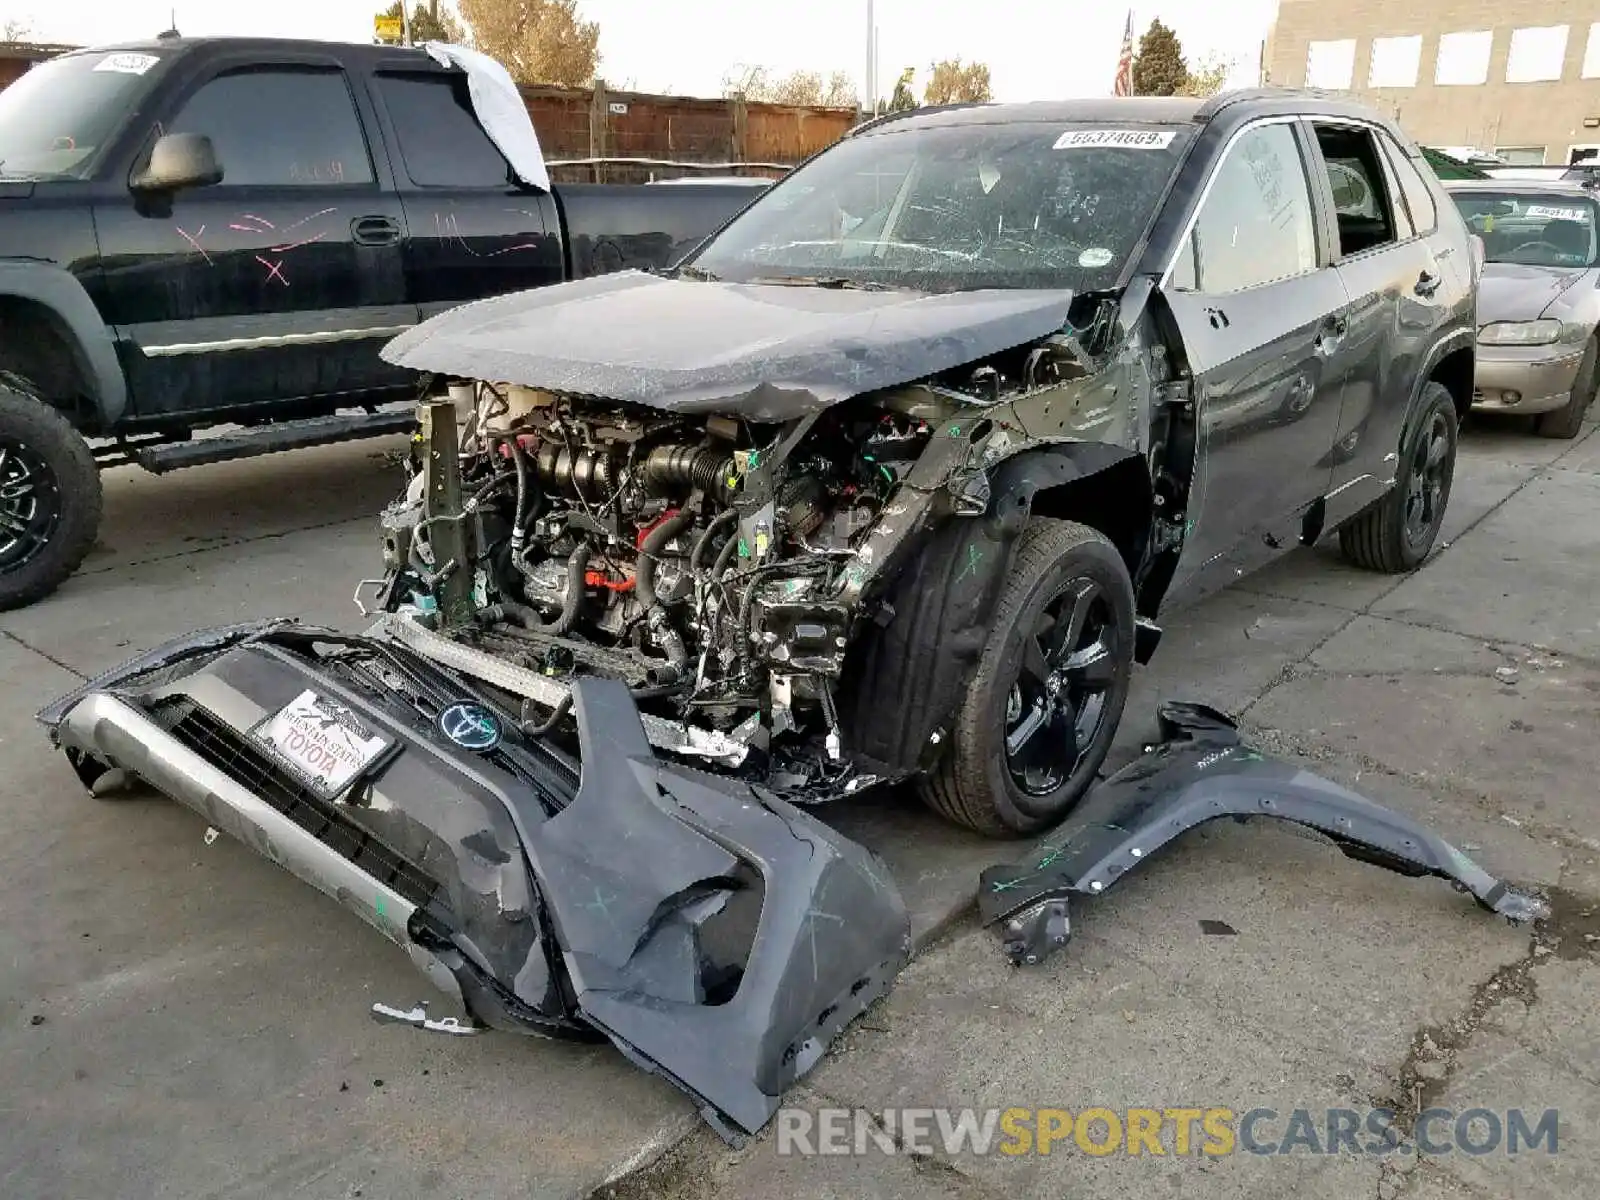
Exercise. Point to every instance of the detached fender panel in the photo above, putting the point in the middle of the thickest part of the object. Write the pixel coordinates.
(93, 345)
(1200, 771)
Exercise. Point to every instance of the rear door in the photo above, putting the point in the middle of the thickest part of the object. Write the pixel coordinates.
(281, 282)
(1395, 276)
(1260, 314)
(475, 232)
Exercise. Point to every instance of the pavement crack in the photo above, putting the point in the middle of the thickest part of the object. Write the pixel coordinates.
(49, 658)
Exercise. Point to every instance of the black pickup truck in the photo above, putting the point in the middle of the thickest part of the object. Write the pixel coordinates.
(200, 232)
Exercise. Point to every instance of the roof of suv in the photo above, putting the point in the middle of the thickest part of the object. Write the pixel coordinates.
(1153, 110)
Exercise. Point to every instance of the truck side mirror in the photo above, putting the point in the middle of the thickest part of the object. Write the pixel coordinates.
(178, 161)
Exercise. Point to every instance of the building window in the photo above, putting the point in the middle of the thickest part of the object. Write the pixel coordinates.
(1464, 58)
(1331, 64)
(1395, 61)
(1537, 53)
(1591, 53)
(1522, 156)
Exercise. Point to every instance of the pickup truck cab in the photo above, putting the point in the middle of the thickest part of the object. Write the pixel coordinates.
(199, 232)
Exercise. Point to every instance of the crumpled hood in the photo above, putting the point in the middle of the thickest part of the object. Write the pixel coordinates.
(769, 352)
(1513, 292)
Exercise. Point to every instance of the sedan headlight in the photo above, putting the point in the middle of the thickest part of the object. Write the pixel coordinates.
(1543, 332)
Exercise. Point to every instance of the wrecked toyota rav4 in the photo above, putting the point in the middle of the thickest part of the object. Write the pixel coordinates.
(889, 480)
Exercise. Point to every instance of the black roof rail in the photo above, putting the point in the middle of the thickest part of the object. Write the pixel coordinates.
(885, 118)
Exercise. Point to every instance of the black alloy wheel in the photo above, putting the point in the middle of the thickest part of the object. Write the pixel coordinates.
(50, 497)
(1060, 702)
(30, 504)
(1427, 482)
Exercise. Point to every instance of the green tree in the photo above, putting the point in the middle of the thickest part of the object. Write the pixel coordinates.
(1159, 68)
(954, 82)
(1209, 78)
(903, 98)
(538, 41)
(429, 23)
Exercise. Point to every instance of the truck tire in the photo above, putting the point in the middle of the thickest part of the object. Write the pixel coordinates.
(1042, 706)
(1565, 422)
(1396, 533)
(50, 498)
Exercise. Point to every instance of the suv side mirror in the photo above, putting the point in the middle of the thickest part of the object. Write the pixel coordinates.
(178, 161)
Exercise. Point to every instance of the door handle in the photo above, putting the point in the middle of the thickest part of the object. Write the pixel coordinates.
(1333, 331)
(1427, 284)
(375, 231)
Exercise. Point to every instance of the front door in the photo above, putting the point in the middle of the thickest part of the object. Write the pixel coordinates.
(278, 284)
(1260, 316)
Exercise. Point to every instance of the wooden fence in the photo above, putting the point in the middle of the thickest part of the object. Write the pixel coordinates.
(744, 137)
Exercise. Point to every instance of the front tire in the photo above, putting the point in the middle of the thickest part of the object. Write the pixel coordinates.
(1042, 707)
(50, 499)
(1396, 534)
(1565, 422)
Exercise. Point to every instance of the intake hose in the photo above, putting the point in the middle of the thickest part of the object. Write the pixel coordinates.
(672, 468)
(645, 576)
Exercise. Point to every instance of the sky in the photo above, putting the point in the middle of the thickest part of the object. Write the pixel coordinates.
(1036, 49)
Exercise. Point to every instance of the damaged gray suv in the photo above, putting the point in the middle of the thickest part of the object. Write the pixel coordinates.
(893, 475)
(889, 480)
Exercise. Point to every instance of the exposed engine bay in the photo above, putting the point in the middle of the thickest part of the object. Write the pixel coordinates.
(721, 566)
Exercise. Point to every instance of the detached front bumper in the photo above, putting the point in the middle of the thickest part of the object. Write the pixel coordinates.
(716, 935)
(1525, 379)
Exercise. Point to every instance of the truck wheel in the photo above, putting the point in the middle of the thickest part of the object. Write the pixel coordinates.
(49, 499)
(1395, 535)
(1565, 422)
(1043, 703)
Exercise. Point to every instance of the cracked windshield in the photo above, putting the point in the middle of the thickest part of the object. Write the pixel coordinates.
(956, 208)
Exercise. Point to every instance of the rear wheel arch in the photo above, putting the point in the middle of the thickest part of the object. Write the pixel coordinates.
(1454, 369)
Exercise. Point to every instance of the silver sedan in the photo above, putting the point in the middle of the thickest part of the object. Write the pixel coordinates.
(1539, 300)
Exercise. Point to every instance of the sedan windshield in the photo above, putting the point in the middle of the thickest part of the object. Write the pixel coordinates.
(1532, 229)
(954, 208)
(54, 118)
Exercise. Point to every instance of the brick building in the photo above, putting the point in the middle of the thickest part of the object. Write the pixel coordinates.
(1521, 80)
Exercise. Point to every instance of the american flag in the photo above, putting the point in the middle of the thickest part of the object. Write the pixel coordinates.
(1124, 84)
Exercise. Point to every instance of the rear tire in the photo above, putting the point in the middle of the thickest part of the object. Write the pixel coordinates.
(1566, 422)
(50, 499)
(1045, 697)
(1396, 534)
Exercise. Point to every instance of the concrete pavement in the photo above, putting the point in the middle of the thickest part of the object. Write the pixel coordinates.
(181, 1019)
